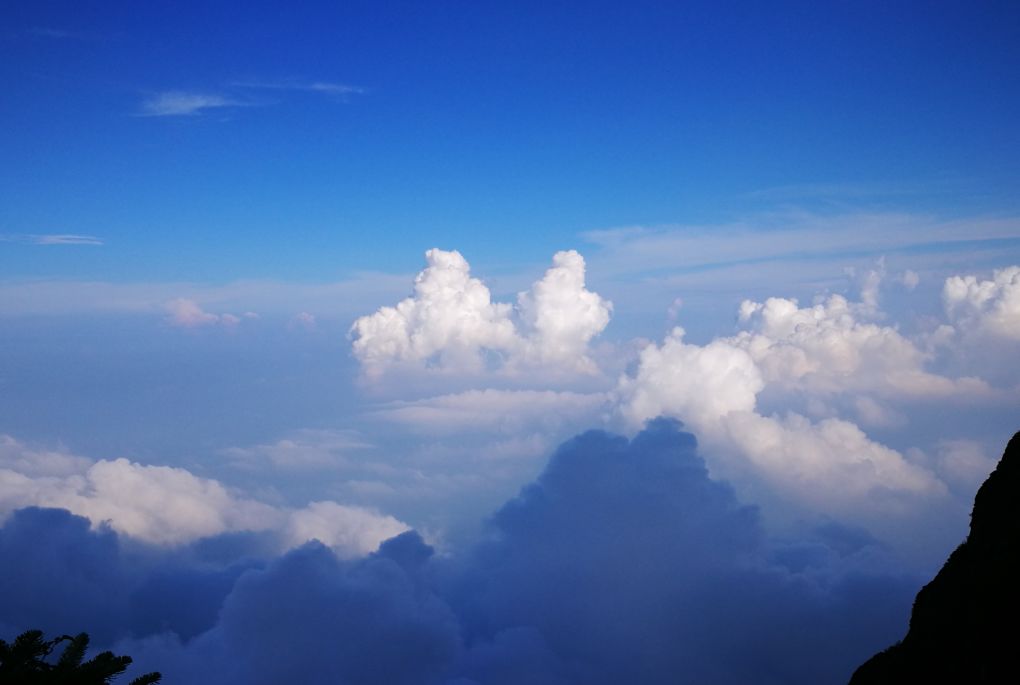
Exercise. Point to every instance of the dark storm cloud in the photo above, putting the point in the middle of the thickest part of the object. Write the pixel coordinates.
(622, 562)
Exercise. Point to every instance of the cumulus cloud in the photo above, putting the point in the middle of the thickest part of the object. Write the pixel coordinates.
(700, 383)
(622, 562)
(185, 313)
(832, 347)
(832, 465)
(990, 307)
(560, 316)
(171, 506)
(351, 530)
(781, 402)
(450, 319)
(451, 322)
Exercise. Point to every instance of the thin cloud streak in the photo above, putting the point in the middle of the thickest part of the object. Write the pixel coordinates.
(173, 103)
(52, 239)
(182, 103)
(792, 236)
(326, 87)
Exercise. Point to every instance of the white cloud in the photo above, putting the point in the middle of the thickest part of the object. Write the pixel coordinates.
(324, 87)
(37, 463)
(52, 239)
(794, 235)
(989, 307)
(303, 449)
(560, 316)
(829, 349)
(451, 322)
(159, 503)
(181, 103)
(823, 351)
(831, 464)
(170, 506)
(450, 319)
(186, 313)
(699, 384)
(350, 531)
(508, 412)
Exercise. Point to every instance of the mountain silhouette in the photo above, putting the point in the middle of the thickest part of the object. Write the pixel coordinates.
(965, 625)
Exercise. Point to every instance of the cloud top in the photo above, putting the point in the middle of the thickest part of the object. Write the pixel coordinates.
(985, 306)
(451, 322)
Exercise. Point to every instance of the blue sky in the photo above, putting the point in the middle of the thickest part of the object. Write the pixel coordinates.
(493, 129)
(272, 275)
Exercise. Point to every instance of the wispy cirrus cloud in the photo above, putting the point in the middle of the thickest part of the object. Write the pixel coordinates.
(51, 239)
(173, 103)
(324, 87)
(58, 33)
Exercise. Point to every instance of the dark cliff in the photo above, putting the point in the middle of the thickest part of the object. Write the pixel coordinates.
(965, 625)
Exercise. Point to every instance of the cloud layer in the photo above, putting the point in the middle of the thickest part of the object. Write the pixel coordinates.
(786, 403)
(171, 506)
(622, 562)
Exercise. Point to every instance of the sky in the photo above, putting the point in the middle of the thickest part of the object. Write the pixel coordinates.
(500, 343)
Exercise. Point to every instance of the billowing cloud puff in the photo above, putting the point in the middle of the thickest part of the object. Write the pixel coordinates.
(700, 384)
(350, 530)
(830, 466)
(172, 506)
(450, 316)
(157, 503)
(451, 321)
(829, 349)
(560, 316)
(989, 307)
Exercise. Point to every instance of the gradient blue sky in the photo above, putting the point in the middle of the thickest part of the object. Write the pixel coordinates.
(495, 128)
(209, 213)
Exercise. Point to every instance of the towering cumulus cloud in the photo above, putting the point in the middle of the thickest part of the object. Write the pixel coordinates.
(450, 319)
(451, 322)
(560, 316)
